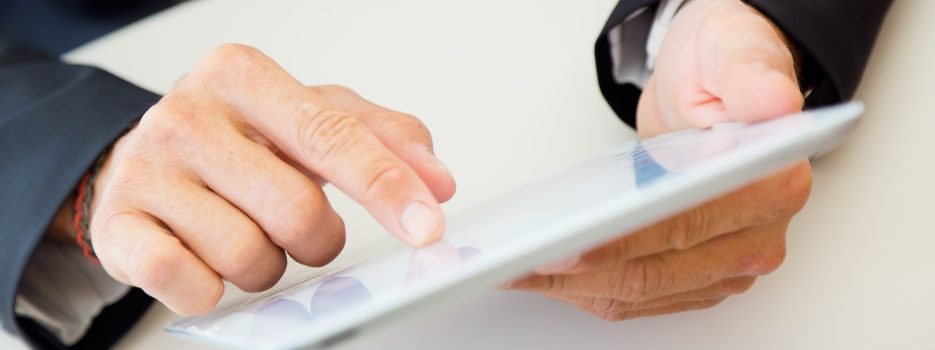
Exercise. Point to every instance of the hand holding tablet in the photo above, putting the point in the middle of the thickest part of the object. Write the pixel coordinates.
(721, 61)
(693, 260)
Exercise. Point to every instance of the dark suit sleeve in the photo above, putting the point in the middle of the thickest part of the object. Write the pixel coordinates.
(622, 98)
(55, 119)
(835, 37)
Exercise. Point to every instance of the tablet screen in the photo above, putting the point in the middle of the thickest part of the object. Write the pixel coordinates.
(591, 202)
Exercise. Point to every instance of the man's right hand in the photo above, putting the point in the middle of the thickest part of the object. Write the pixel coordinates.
(223, 176)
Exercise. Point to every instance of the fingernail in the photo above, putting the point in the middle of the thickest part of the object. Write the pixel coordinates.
(563, 265)
(420, 222)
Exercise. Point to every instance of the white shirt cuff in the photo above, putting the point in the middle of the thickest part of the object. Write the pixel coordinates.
(63, 291)
(635, 43)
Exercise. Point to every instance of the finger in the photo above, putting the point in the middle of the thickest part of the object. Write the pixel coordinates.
(752, 70)
(753, 252)
(219, 234)
(637, 313)
(572, 264)
(774, 199)
(403, 134)
(134, 248)
(665, 310)
(288, 206)
(722, 289)
(325, 140)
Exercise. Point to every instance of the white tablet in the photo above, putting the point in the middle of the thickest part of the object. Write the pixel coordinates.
(580, 208)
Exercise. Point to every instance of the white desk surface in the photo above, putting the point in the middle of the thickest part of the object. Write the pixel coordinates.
(508, 89)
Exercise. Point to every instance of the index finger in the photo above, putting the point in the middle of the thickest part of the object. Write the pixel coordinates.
(324, 140)
(404, 135)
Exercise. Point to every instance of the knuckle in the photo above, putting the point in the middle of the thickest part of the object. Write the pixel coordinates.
(678, 237)
(402, 121)
(130, 187)
(157, 267)
(225, 64)
(168, 123)
(233, 55)
(621, 251)
(738, 285)
(613, 317)
(622, 314)
(240, 261)
(382, 174)
(181, 82)
(295, 220)
(323, 253)
(102, 235)
(171, 102)
(330, 243)
(305, 229)
(405, 122)
(100, 224)
(796, 189)
(617, 307)
(602, 305)
(210, 293)
(234, 50)
(690, 229)
(623, 287)
(764, 262)
(553, 284)
(706, 304)
(642, 279)
(326, 133)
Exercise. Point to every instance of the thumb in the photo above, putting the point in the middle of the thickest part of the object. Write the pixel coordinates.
(754, 72)
(754, 89)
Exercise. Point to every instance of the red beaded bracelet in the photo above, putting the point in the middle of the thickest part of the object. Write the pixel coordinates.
(82, 208)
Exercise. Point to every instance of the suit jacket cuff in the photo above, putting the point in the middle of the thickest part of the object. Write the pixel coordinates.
(622, 98)
(835, 37)
(55, 119)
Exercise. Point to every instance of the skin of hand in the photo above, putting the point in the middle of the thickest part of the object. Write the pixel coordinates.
(721, 61)
(223, 177)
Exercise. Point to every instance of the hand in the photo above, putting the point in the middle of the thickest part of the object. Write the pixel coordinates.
(721, 61)
(693, 260)
(223, 177)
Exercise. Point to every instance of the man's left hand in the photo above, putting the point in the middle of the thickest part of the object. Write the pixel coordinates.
(721, 61)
